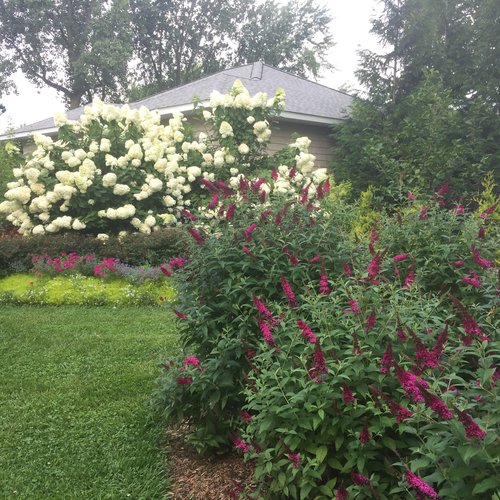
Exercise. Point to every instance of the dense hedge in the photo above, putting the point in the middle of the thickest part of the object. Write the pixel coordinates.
(16, 252)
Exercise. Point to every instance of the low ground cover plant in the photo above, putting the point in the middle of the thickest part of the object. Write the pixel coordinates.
(76, 289)
(344, 364)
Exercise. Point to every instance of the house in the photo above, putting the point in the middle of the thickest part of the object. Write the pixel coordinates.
(311, 108)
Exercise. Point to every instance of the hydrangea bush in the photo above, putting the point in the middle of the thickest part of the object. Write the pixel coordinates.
(119, 169)
(336, 362)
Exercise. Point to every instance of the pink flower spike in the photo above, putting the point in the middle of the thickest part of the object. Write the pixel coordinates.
(459, 210)
(442, 190)
(184, 380)
(230, 211)
(486, 264)
(189, 215)
(319, 360)
(472, 280)
(354, 305)
(287, 290)
(423, 213)
(265, 329)
(371, 321)
(306, 332)
(180, 314)
(248, 232)
(191, 360)
(409, 280)
(347, 269)
(359, 479)
(341, 493)
(365, 436)
(410, 195)
(246, 250)
(295, 459)
(458, 263)
(387, 359)
(347, 395)
(324, 288)
(472, 430)
(240, 444)
(488, 211)
(481, 233)
(316, 258)
(245, 416)
(165, 270)
(214, 201)
(400, 257)
(420, 485)
(264, 311)
(196, 235)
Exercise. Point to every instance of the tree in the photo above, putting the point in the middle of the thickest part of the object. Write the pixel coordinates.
(432, 111)
(81, 48)
(294, 37)
(177, 41)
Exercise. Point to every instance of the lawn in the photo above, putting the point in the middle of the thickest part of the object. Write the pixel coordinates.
(73, 420)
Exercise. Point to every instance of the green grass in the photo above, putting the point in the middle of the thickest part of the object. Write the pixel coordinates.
(73, 385)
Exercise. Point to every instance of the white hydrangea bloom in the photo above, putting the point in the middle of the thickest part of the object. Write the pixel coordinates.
(105, 145)
(121, 189)
(109, 179)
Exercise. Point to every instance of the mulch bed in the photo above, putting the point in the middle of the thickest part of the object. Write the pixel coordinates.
(195, 477)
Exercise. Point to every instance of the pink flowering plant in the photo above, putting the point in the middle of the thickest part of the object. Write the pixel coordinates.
(337, 375)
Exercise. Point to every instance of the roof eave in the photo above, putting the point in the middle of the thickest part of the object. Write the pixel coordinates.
(289, 116)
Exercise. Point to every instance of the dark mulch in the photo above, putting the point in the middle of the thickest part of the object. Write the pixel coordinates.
(195, 477)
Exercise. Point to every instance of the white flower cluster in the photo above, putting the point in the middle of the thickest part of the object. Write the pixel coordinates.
(73, 185)
(126, 171)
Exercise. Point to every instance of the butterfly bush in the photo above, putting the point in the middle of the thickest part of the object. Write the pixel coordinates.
(323, 363)
(119, 169)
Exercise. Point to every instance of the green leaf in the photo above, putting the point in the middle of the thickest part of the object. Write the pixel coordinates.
(485, 485)
(321, 453)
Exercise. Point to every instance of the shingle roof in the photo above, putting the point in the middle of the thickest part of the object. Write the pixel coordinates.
(302, 97)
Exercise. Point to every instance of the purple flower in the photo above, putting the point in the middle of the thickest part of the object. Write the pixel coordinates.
(191, 360)
(287, 290)
(359, 479)
(197, 236)
(419, 485)
(347, 395)
(479, 260)
(387, 359)
(295, 459)
(400, 257)
(307, 332)
(365, 435)
(265, 329)
(472, 430)
(324, 288)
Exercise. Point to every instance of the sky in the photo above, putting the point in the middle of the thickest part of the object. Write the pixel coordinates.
(350, 27)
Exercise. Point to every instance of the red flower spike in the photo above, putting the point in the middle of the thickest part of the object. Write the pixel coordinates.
(442, 190)
(214, 201)
(287, 290)
(387, 359)
(359, 479)
(341, 493)
(484, 263)
(472, 430)
(306, 332)
(180, 314)
(230, 212)
(347, 269)
(420, 485)
(196, 235)
(189, 215)
(365, 436)
(347, 395)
